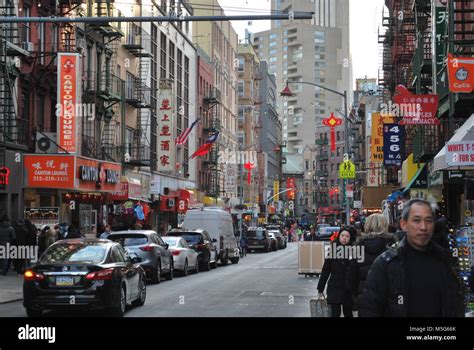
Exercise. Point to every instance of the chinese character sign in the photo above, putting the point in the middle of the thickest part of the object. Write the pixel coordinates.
(49, 171)
(416, 109)
(377, 138)
(68, 72)
(393, 144)
(166, 146)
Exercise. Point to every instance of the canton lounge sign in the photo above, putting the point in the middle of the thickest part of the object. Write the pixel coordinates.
(98, 175)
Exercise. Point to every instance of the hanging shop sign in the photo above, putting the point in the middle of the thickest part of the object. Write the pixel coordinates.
(332, 122)
(461, 74)
(416, 109)
(460, 153)
(276, 190)
(376, 142)
(441, 34)
(166, 145)
(393, 144)
(49, 171)
(68, 101)
(4, 175)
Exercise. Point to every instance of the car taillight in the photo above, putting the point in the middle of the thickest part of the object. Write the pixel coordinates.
(100, 275)
(176, 252)
(33, 276)
(147, 248)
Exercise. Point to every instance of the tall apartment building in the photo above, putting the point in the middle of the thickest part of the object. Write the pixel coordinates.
(219, 41)
(313, 51)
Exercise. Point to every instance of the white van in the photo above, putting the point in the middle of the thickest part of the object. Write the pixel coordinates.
(218, 223)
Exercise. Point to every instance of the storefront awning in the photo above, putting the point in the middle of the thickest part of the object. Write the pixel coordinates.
(414, 179)
(464, 133)
(131, 190)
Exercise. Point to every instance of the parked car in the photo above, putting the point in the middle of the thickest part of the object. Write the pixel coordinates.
(258, 239)
(94, 273)
(200, 241)
(282, 240)
(326, 232)
(155, 257)
(184, 257)
(274, 240)
(218, 223)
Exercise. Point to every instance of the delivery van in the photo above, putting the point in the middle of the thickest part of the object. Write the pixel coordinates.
(218, 223)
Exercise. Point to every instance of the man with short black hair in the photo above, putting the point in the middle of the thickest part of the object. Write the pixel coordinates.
(7, 236)
(414, 278)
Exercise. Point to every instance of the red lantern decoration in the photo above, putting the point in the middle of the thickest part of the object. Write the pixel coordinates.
(332, 122)
(249, 166)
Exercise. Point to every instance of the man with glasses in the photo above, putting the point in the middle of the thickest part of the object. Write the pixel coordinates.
(415, 277)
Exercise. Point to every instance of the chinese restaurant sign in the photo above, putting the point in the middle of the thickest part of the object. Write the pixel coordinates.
(49, 171)
(165, 131)
(416, 109)
(68, 73)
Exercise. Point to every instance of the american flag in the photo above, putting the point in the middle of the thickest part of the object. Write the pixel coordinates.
(181, 140)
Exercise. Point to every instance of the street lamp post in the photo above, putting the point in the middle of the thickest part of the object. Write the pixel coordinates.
(287, 92)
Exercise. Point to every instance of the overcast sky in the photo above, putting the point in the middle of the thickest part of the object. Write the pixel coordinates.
(366, 16)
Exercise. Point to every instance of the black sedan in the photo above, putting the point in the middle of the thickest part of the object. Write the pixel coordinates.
(84, 273)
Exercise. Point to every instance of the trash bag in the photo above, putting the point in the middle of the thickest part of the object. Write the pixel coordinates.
(319, 308)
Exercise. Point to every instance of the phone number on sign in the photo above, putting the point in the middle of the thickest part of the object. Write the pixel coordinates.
(50, 178)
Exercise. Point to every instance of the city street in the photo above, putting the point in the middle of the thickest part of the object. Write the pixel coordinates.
(260, 285)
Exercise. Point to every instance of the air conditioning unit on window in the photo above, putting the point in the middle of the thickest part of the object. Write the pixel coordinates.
(44, 142)
(28, 46)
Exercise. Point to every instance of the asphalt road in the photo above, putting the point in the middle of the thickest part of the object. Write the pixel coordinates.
(260, 285)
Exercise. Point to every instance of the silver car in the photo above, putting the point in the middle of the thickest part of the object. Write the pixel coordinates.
(184, 258)
(155, 257)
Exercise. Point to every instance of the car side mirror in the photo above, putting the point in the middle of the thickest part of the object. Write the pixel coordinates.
(214, 240)
(167, 245)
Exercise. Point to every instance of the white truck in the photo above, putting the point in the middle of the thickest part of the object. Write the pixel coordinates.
(220, 226)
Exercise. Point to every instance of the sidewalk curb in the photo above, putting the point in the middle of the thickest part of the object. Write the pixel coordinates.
(10, 301)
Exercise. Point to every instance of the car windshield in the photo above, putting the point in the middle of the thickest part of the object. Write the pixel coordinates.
(255, 234)
(190, 237)
(128, 240)
(172, 241)
(76, 252)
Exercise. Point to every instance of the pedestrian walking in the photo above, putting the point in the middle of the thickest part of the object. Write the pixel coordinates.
(374, 241)
(335, 269)
(106, 232)
(7, 235)
(21, 233)
(415, 277)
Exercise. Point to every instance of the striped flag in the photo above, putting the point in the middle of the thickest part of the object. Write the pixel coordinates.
(204, 149)
(181, 140)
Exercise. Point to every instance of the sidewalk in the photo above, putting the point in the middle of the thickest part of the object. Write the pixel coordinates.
(11, 287)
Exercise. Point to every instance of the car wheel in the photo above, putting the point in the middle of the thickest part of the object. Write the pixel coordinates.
(142, 293)
(170, 274)
(185, 268)
(157, 276)
(196, 267)
(119, 309)
(214, 264)
(234, 260)
(225, 259)
(34, 312)
(207, 265)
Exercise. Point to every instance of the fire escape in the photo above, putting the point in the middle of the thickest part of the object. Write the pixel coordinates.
(211, 126)
(104, 89)
(13, 130)
(138, 94)
(426, 138)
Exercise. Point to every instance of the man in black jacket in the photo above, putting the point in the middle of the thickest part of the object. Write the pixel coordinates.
(414, 278)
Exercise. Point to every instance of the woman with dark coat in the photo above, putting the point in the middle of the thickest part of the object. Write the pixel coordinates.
(374, 241)
(335, 269)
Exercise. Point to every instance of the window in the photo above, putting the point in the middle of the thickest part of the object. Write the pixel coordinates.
(338, 154)
(129, 86)
(241, 88)
(285, 48)
(272, 44)
(338, 136)
(272, 52)
(241, 114)
(273, 59)
(332, 168)
(272, 36)
(26, 27)
(307, 165)
(163, 56)
(241, 64)
(319, 41)
(171, 57)
(285, 56)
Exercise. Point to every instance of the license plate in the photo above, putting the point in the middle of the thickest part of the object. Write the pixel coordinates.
(64, 281)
